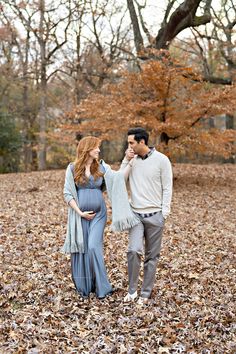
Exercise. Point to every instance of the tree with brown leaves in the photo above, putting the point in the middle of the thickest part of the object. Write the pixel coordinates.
(168, 100)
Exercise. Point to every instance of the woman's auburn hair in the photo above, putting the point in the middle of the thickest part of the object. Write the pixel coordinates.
(84, 147)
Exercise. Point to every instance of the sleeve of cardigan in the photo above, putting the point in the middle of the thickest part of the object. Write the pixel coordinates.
(125, 167)
(105, 165)
(67, 190)
(124, 164)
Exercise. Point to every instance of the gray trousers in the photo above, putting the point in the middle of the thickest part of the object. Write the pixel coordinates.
(148, 231)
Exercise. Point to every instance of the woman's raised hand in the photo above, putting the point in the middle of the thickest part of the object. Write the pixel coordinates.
(129, 154)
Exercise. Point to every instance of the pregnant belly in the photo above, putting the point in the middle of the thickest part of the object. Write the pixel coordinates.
(90, 199)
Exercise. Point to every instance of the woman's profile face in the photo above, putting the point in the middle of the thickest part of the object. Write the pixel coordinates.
(95, 153)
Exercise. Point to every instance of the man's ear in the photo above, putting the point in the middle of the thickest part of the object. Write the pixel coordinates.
(142, 141)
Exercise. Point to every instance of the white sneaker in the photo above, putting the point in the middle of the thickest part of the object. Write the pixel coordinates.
(143, 301)
(130, 297)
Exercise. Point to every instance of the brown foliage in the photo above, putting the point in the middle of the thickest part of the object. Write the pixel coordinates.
(192, 308)
(168, 100)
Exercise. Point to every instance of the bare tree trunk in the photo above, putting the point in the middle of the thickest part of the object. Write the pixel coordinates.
(42, 116)
(78, 78)
(183, 17)
(26, 110)
(138, 39)
(232, 68)
(42, 155)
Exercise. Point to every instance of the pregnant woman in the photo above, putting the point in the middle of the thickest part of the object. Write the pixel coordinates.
(86, 220)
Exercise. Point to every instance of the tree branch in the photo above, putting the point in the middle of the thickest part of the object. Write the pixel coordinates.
(138, 40)
(183, 17)
(144, 27)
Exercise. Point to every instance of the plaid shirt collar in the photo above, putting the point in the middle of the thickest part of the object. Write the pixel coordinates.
(152, 149)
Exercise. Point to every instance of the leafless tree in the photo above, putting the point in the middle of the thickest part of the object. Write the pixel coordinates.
(49, 23)
(177, 17)
(213, 47)
(102, 45)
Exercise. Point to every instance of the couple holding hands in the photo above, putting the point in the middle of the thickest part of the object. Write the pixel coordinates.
(149, 175)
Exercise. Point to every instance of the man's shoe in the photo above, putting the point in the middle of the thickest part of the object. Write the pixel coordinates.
(130, 297)
(143, 301)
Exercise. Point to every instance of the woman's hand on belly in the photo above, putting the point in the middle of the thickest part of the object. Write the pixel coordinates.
(88, 215)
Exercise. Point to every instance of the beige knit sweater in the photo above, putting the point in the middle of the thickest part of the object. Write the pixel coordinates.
(150, 183)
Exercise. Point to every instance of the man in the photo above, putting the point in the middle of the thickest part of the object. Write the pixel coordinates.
(150, 181)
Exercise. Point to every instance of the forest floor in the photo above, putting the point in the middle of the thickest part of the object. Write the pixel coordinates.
(192, 308)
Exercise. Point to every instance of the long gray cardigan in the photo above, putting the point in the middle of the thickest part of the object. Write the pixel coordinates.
(123, 217)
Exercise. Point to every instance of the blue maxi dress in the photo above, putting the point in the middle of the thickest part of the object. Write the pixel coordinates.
(88, 269)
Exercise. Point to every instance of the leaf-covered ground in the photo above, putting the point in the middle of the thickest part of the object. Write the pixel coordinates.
(192, 308)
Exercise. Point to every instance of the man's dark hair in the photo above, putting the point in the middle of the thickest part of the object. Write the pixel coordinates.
(139, 134)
